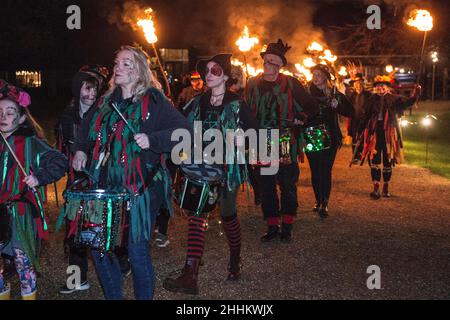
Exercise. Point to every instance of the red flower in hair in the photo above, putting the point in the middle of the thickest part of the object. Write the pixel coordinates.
(12, 92)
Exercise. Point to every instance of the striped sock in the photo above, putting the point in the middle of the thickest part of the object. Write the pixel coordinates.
(273, 221)
(288, 219)
(196, 237)
(232, 229)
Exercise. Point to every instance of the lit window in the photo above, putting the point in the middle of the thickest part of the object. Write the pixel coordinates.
(28, 79)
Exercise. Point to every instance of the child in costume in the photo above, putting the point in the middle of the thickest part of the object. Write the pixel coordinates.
(22, 194)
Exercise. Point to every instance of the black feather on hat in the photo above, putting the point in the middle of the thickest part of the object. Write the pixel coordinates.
(278, 49)
(222, 59)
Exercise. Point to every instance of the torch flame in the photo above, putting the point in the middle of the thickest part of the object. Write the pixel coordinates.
(315, 46)
(421, 19)
(328, 56)
(252, 71)
(304, 72)
(309, 62)
(343, 71)
(148, 27)
(245, 42)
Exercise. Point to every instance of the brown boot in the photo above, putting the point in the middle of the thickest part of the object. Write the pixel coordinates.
(187, 281)
(235, 265)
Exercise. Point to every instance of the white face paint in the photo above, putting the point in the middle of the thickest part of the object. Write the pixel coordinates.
(319, 78)
(214, 74)
(272, 64)
(88, 94)
(10, 118)
(125, 69)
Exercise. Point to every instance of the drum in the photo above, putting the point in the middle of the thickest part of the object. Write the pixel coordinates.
(284, 143)
(198, 188)
(317, 138)
(98, 218)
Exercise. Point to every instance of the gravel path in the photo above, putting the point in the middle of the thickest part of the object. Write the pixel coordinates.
(407, 236)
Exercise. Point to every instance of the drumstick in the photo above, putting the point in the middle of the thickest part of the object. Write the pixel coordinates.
(14, 155)
(123, 118)
(89, 175)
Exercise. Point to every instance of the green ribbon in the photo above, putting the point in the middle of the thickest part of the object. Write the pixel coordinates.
(109, 223)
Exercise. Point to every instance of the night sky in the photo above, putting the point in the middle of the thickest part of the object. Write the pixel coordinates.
(34, 33)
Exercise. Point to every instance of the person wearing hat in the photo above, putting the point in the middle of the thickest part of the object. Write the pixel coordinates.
(382, 139)
(28, 165)
(278, 100)
(358, 97)
(321, 160)
(187, 94)
(88, 84)
(217, 109)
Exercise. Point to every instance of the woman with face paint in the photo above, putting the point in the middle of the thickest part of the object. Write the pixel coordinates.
(87, 84)
(22, 220)
(127, 156)
(382, 139)
(218, 109)
(321, 160)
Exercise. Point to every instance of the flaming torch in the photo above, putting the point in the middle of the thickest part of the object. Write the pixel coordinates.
(422, 21)
(315, 47)
(148, 27)
(245, 43)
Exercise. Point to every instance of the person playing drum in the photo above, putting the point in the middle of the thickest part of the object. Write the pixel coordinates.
(121, 145)
(279, 101)
(27, 165)
(322, 134)
(218, 109)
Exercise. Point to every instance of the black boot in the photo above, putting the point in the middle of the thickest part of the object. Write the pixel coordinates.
(386, 193)
(272, 233)
(323, 211)
(286, 233)
(235, 265)
(375, 194)
(316, 207)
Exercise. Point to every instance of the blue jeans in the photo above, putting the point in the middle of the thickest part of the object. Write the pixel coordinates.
(108, 270)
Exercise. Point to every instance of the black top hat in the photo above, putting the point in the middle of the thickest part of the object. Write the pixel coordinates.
(222, 59)
(324, 68)
(278, 49)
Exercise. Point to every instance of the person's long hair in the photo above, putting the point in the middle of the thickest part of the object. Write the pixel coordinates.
(29, 122)
(327, 92)
(146, 79)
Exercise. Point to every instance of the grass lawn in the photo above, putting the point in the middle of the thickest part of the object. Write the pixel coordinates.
(438, 135)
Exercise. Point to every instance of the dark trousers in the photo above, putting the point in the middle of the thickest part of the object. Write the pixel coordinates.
(162, 220)
(286, 178)
(381, 155)
(321, 164)
(253, 175)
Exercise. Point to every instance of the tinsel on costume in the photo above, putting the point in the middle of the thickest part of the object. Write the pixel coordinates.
(24, 205)
(393, 140)
(273, 112)
(115, 148)
(228, 121)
